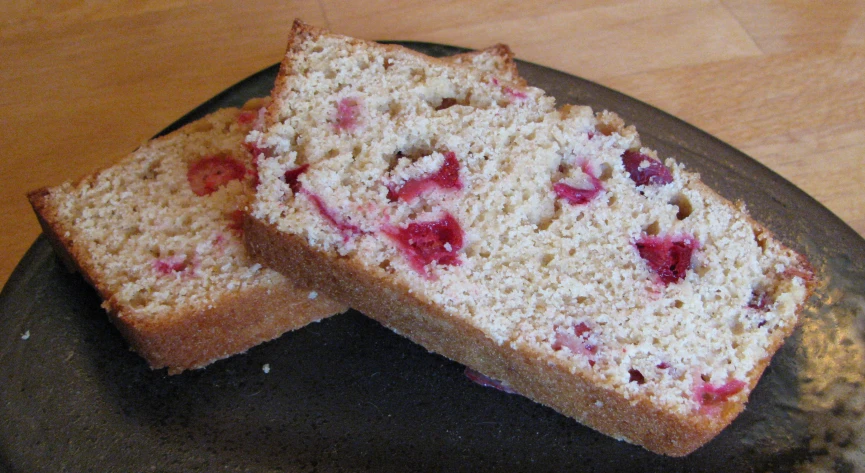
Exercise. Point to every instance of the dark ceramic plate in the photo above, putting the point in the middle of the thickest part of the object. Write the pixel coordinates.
(348, 395)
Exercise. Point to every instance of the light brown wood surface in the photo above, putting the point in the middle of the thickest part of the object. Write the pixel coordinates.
(83, 83)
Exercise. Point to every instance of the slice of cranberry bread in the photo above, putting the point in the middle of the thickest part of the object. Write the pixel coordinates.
(544, 248)
(158, 236)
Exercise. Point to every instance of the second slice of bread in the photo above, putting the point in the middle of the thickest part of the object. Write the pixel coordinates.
(158, 236)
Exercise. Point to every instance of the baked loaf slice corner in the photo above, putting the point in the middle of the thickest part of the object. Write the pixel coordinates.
(543, 247)
(158, 236)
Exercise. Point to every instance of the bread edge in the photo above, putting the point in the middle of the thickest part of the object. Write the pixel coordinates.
(542, 380)
(300, 31)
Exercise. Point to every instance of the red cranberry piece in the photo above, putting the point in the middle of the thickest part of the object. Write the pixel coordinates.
(663, 365)
(173, 264)
(711, 397)
(391, 194)
(669, 259)
(486, 381)
(517, 94)
(760, 301)
(575, 196)
(582, 330)
(635, 375)
(447, 103)
(292, 176)
(447, 177)
(652, 173)
(575, 339)
(246, 117)
(346, 229)
(423, 243)
(210, 173)
(347, 114)
(252, 118)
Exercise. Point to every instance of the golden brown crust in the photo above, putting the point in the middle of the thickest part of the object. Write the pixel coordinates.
(508, 67)
(192, 339)
(531, 374)
(504, 51)
(72, 257)
(605, 410)
(233, 325)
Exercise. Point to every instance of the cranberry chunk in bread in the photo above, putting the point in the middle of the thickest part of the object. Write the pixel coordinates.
(669, 258)
(171, 265)
(347, 115)
(292, 177)
(431, 242)
(644, 170)
(446, 177)
(712, 398)
(209, 173)
(580, 190)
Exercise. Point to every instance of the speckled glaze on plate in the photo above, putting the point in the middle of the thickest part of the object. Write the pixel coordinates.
(346, 394)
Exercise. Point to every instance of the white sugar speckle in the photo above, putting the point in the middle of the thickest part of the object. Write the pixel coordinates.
(599, 404)
(25, 335)
(313, 294)
(266, 368)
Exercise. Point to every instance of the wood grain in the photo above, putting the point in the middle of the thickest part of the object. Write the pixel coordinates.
(86, 82)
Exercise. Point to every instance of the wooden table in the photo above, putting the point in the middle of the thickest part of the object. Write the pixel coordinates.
(784, 81)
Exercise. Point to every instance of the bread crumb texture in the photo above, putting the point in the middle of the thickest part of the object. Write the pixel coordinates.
(551, 230)
(160, 230)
